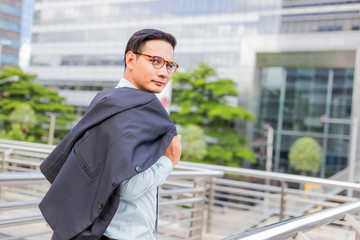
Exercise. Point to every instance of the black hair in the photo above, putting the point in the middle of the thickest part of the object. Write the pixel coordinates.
(139, 38)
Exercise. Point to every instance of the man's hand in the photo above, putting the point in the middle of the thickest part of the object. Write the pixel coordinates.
(173, 152)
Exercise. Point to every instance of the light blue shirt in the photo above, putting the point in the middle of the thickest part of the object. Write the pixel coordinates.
(137, 211)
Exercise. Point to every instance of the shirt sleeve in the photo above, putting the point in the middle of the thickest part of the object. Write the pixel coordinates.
(149, 179)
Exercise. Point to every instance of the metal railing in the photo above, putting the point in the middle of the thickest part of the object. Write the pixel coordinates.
(181, 204)
(295, 228)
(248, 200)
(196, 201)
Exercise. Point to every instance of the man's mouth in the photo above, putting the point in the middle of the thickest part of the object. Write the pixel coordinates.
(159, 83)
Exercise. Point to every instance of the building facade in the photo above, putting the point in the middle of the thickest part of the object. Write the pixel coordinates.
(78, 48)
(27, 18)
(10, 27)
(79, 45)
(306, 81)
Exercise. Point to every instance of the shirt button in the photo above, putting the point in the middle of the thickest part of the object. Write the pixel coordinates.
(100, 205)
(138, 169)
(113, 183)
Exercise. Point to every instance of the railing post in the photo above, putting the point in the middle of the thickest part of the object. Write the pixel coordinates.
(282, 200)
(6, 155)
(353, 222)
(198, 183)
(210, 203)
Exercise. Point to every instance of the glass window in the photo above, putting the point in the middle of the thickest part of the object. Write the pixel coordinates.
(306, 92)
(10, 9)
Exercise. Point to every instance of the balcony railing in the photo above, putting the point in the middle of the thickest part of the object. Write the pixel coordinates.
(295, 228)
(197, 201)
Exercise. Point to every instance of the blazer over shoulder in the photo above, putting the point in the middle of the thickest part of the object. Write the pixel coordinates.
(123, 132)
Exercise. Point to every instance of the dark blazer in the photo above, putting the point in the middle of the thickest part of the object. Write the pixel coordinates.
(123, 132)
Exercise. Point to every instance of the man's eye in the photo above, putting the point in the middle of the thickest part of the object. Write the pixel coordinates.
(156, 60)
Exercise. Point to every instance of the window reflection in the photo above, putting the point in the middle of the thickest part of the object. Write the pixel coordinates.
(308, 93)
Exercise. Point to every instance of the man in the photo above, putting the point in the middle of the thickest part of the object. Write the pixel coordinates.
(125, 137)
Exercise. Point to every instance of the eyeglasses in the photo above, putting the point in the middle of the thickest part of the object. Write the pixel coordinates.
(159, 62)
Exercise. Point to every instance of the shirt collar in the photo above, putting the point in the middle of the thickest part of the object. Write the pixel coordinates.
(125, 83)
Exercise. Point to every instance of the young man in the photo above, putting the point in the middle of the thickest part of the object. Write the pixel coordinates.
(105, 173)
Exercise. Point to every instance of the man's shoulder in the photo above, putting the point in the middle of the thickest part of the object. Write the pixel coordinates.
(130, 94)
(122, 97)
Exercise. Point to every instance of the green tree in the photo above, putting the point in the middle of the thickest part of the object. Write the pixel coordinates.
(24, 115)
(200, 98)
(193, 143)
(305, 155)
(26, 103)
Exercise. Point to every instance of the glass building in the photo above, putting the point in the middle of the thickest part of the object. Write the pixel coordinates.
(78, 45)
(294, 60)
(10, 22)
(301, 90)
(27, 17)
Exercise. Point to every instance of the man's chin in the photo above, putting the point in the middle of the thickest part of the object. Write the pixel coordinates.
(156, 89)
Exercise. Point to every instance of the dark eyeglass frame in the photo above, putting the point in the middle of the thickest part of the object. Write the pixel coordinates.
(164, 61)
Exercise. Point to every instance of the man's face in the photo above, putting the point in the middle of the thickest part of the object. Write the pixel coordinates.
(140, 69)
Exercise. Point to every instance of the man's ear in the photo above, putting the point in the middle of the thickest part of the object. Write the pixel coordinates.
(130, 59)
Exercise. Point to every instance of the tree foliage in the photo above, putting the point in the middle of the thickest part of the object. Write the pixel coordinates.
(193, 143)
(305, 155)
(24, 106)
(200, 98)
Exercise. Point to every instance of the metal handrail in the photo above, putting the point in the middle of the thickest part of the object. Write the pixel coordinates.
(289, 228)
(274, 175)
(26, 144)
(23, 220)
(21, 178)
(182, 189)
(194, 196)
(18, 178)
(18, 205)
(26, 148)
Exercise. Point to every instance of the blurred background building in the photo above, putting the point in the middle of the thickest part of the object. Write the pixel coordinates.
(294, 60)
(10, 22)
(27, 20)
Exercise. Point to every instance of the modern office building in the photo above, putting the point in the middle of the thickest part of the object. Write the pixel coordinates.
(306, 78)
(27, 17)
(78, 45)
(10, 21)
(294, 61)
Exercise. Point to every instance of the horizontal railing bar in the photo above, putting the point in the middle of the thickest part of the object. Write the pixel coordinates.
(233, 197)
(18, 205)
(179, 211)
(179, 191)
(21, 237)
(24, 162)
(21, 178)
(311, 201)
(220, 182)
(322, 195)
(12, 178)
(238, 191)
(20, 221)
(25, 148)
(288, 228)
(170, 182)
(275, 175)
(193, 174)
(179, 222)
(179, 201)
(27, 144)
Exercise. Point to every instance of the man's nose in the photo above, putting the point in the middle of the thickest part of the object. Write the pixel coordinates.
(164, 72)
